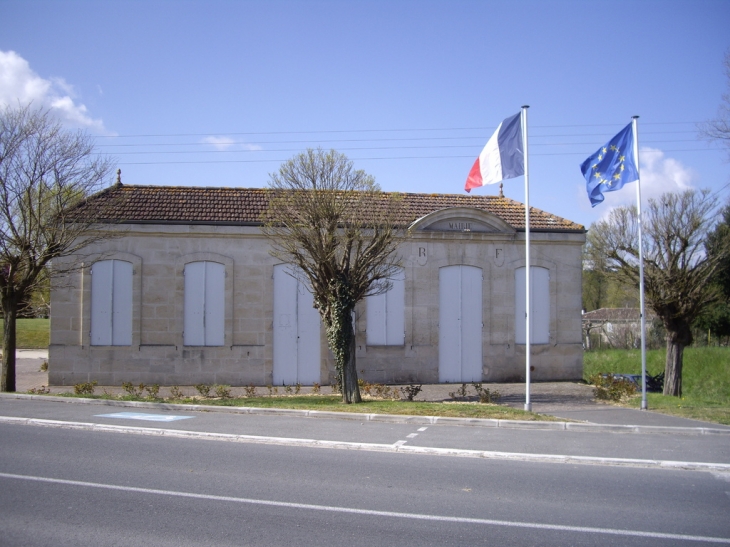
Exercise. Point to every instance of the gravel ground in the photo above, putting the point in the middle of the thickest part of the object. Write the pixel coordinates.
(547, 395)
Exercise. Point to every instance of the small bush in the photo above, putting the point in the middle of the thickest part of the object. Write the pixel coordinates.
(609, 388)
(485, 395)
(459, 394)
(273, 390)
(297, 388)
(176, 392)
(410, 392)
(316, 388)
(85, 388)
(203, 390)
(250, 390)
(130, 388)
(43, 390)
(288, 389)
(222, 391)
(153, 391)
(44, 366)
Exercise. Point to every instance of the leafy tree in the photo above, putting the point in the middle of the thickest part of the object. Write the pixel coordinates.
(336, 226)
(718, 129)
(716, 318)
(677, 270)
(44, 171)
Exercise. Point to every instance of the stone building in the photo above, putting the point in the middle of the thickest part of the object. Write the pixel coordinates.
(186, 292)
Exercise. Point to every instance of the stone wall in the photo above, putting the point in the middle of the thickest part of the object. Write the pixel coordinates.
(157, 354)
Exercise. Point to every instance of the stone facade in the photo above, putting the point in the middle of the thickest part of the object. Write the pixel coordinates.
(159, 252)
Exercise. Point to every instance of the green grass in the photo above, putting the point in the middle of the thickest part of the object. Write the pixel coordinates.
(705, 380)
(32, 333)
(333, 403)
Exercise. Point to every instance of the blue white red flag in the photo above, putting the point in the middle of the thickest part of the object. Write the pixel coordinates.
(502, 158)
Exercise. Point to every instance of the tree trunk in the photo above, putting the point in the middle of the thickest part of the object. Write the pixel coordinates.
(10, 312)
(677, 339)
(350, 388)
(341, 337)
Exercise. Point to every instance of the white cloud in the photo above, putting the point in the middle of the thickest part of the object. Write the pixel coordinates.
(220, 143)
(659, 175)
(19, 84)
(226, 143)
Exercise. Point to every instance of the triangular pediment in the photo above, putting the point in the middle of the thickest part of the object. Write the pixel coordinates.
(461, 219)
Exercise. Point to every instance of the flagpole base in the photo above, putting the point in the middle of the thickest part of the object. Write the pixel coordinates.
(528, 407)
(644, 405)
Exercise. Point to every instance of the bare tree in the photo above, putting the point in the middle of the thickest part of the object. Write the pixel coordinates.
(718, 129)
(44, 172)
(338, 229)
(677, 270)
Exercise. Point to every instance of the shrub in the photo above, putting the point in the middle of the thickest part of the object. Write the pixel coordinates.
(222, 391)
(297, 388)
(176, 392)
(153, 391)
(44, 366)
(459, 394)
(609, 388)
(316, 388)
(410, 392)
(43, 390)
(203, 390)
(485, 395)
(85, 388)
(132, 390)
(250, 390)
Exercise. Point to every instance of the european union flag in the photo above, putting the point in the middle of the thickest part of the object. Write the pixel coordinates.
(612, 166)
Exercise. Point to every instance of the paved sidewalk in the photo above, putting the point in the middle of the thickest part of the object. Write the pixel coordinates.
(569, 400)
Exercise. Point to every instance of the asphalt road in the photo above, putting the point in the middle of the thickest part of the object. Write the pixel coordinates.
(76, 487)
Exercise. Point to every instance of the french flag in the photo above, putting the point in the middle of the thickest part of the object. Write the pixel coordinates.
(502, 158)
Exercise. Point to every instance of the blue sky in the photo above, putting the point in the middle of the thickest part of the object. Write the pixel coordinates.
(218, 93)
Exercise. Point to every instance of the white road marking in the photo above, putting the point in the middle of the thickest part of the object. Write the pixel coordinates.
(144, 416)
(370, 512)
(412, 435)
(422, 428)
(398, 447)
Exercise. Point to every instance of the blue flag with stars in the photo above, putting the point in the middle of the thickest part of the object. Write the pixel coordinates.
(612, 166)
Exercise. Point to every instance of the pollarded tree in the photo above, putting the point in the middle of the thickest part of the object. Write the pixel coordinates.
(44, 172)
(335, 225)
(677, 269)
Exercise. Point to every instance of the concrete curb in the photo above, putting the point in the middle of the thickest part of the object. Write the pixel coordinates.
(386, 418)
(372, 447)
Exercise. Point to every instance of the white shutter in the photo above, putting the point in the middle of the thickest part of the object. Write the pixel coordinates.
(471, 324)
(386, 314)
(122, 303)
(376, 320)
(215, 318)
(101, 303)
(308, 337)
(540, 305)
(194, 304)
(395, 303)
(285, 326)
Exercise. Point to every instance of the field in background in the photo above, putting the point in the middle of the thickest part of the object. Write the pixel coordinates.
(705, 380)
(32, 333)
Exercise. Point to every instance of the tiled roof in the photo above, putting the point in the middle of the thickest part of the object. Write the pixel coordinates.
(616, 314)
(241, 206)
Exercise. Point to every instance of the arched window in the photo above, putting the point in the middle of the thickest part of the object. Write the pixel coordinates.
(111, 303)
(386, 314)
(204, 304)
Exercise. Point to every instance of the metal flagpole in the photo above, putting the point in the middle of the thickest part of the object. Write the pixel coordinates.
(644, 405)
(528, 332)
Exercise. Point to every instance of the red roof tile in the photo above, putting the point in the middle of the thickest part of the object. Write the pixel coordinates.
(244, 206)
